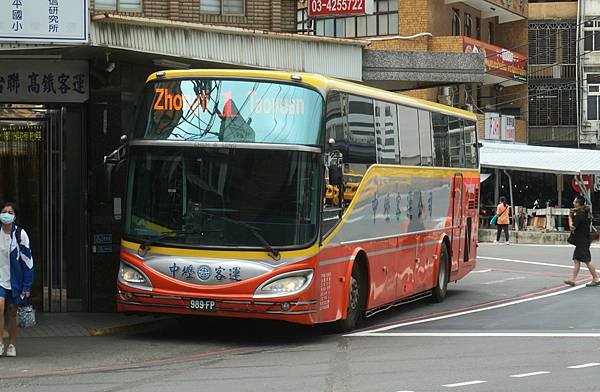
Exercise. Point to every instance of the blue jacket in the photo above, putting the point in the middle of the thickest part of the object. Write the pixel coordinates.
(21, 263)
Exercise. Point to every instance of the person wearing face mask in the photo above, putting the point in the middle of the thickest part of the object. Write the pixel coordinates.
(16, 273)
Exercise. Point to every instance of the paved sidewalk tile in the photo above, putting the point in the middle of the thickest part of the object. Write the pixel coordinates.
(87, 324)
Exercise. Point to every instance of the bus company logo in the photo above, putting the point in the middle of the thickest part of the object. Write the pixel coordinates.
(204, 272)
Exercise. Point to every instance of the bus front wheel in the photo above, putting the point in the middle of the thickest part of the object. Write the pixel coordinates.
(356, 301)
(439, 291)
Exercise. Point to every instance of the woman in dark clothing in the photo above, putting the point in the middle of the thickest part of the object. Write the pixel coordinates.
(579, 222)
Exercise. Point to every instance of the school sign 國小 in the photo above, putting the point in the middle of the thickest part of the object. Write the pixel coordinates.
(53, 21)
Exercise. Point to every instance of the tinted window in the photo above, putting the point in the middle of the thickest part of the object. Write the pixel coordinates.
(361, 130)
(333, 120)
(440, 139)
(457, 143)
(410, 153)
(221, 110)
(386, 133)
(425, 137)
(470, 143)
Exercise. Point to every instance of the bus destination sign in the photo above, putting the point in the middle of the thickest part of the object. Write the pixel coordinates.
(325, 8)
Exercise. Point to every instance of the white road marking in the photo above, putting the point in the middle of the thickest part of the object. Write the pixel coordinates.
(585, 365)
(526, 262)
(487, 335)
(462, 384)
(481, 271)
(504, 280)
(452, 315)
(529, 374)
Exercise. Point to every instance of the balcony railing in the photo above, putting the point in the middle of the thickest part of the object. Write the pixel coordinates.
(551, 71)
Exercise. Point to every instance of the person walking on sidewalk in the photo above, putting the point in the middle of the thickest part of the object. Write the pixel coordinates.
(503, 212)
(16, 273)
(580, 219)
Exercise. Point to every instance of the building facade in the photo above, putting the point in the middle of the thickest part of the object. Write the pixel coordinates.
(552, 73)
(65, 105)
(589, 72)
(468, 54)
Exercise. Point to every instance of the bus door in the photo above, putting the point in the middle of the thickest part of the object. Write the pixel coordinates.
(457, 220)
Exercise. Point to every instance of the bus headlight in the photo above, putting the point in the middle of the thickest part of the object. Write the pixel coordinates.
(131, 276)
(285, 284)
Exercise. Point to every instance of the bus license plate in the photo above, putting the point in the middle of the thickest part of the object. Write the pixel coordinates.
(203, 305)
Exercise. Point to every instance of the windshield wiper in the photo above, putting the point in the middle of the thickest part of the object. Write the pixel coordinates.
(144, 246)
(274, 253)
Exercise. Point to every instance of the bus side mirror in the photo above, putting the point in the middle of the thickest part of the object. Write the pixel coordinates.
(113, 162)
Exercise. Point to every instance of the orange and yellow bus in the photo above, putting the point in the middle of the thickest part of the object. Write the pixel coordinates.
(227, 211)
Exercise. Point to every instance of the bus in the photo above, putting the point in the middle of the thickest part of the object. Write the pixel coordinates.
(226, 210)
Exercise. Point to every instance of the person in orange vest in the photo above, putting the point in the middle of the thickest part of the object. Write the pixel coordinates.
(503, 212)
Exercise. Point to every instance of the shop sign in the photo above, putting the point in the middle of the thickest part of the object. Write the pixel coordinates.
(327, 8)
(55, 21)
(492, 126)
(508, 131)
(44, 81)
(498, 61)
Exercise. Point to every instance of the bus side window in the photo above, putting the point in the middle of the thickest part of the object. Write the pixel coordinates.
(410, 152)
(440, 139)
(457, 143)
(386, 133)
(360, 131)
(334, 129)
(425, 138)
(470, 144)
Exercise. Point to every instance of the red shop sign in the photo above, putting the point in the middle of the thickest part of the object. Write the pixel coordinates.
(323, 8)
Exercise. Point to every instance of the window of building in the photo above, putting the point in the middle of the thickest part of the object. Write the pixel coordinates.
(591, 36)
(478, 28)
(455, 21)
(593, 97)
(383, 22)
(552, 105)
(491, 33)
(468, 25)
(222, 7)
(304, 24)
(119, 5)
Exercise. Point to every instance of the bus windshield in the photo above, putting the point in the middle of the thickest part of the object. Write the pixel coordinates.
(217, 110)
(221, 197)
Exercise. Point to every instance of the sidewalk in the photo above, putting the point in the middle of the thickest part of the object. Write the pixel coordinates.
(90, 324)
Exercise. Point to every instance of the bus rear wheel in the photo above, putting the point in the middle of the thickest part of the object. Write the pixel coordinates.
(439, 291)
(356, 302)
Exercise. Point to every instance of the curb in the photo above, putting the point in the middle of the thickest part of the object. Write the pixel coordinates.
(146, 326)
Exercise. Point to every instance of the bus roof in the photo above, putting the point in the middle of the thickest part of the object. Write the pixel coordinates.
(321, 83)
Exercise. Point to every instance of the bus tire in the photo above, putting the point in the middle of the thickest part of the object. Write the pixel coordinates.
(439, 291)
(357, 295)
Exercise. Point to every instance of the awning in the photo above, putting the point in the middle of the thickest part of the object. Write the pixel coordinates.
(340, 58)
(484, 176)
(523, 157)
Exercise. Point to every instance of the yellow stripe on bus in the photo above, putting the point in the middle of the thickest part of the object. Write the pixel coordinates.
(224, 254)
